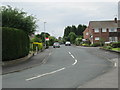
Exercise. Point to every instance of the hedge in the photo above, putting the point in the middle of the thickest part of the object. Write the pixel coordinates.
(95, 44)
(38, 45)
(115, 44)
(15, 44)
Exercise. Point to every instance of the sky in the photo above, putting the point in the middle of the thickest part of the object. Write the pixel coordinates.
(59, 14)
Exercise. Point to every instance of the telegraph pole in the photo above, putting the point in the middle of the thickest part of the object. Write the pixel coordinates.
(45, 34)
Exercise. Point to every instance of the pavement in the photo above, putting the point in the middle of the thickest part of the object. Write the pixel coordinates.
(108, 79)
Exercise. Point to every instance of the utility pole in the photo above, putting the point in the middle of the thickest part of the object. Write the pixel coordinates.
(45, 34)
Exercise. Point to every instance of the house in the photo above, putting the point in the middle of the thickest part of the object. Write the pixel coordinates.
(106, 31)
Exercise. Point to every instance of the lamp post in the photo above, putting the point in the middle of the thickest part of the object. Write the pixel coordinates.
(44, 34)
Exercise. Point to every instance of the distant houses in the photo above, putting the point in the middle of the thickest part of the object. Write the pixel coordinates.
(107, 31)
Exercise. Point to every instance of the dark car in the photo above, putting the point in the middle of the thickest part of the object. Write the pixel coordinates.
(67, 43)
(56, 45)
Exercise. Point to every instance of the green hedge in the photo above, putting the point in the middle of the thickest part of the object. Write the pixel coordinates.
(15, 44)
(115, 44)
(95, 44)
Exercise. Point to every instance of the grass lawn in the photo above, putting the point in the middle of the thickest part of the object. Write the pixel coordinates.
(116, 49)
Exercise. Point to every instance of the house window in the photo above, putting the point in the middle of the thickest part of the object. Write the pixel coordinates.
(97, 38)
(113, 30)
(96, 30)
(104, 30)
(87, 33)
(113, 39)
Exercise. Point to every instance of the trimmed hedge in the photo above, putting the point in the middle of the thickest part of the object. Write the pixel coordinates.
(15, 44)
(95, 44)
(115, 44)
(39, 46)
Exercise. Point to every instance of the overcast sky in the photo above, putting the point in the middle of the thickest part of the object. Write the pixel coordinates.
(58, 15)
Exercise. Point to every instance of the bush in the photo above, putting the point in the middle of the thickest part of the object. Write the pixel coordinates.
(107, 47)
(86, 45)
(38, 45)
(15, 44)
(95, 45)
(115, 45)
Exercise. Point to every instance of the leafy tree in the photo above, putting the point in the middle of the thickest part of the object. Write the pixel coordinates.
(67, 31)
(80, 29)
(74, 29)
(72, 37)
(36, 39)
(15, 18)
(52, 39)
(78, 41)
(42, 36)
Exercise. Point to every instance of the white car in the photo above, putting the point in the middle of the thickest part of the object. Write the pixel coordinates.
(56, 45)
(67, 43)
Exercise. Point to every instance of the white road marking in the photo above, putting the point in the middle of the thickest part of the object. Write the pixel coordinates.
(45, 74)
(38, 76)
(115, 64)
(74, 62)
(69, 53)
(73, 58)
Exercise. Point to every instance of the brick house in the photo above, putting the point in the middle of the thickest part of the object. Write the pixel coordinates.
(107, 31)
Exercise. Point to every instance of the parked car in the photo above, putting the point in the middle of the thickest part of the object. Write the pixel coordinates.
(67, 43)
(56, 45)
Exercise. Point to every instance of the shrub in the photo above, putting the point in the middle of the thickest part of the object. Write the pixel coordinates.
(86, 45)
(15, 43)
(38, 45)
(107, 47)
(95, 45)
(115, 44)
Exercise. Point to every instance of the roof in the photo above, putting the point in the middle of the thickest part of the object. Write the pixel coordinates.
(103, 24)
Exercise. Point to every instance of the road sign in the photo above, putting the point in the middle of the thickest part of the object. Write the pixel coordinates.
(47, 39)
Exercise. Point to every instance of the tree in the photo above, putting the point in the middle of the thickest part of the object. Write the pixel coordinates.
(78, 41)
(80, 29)
(72, 37)
(52, 39)
(74, 29)
(67, 31)
(15, 18)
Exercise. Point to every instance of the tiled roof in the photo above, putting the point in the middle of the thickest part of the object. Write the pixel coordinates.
(103, 24)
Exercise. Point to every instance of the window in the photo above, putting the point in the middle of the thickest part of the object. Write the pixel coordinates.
(104, 30)
(113, 39)
(96, 30)
(87, 33)
(97, 38)
(113, 30)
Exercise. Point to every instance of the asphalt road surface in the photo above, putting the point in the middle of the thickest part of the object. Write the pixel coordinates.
(66, 67)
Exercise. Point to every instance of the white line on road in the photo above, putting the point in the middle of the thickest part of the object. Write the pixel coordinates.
(115, 64)
(45, 74)
(74, 62)
(73, 58)
(69, 53)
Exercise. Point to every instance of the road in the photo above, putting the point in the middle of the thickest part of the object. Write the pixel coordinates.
(66, 67)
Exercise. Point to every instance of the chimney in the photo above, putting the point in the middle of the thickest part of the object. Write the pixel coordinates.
(115, 20)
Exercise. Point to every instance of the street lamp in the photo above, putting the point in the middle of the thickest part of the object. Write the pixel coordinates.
(44, 34)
